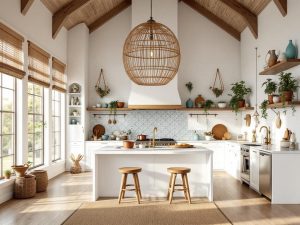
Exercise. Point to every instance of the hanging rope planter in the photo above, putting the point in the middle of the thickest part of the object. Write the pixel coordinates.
(218, 90)
(101, 91)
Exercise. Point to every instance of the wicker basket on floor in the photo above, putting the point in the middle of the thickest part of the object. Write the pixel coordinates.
(41, 180)
(25, 187)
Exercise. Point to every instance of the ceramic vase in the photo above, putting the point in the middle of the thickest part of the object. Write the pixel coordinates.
(189, 103)
(291, 51)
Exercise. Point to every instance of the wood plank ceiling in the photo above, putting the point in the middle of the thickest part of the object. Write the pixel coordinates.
(231, 15)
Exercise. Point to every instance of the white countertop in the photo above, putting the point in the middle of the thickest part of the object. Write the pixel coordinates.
(150, 151)
(274, 149)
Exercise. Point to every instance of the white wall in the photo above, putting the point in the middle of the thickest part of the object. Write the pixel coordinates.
(35, 26)
(274, 32)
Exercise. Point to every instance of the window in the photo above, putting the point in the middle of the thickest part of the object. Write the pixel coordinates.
(35, 124)
(56, 125)
(7, 114)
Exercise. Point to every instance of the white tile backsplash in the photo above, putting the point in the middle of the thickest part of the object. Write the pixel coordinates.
(171, 124)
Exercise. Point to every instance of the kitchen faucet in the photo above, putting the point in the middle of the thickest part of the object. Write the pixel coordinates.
(267, 140)
(154, 134)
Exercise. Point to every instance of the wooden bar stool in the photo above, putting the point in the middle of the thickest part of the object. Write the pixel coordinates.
(134, 171)
(185, 184)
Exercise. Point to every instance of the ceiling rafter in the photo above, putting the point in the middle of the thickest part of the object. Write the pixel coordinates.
(25, 5)
(59, 18)
(282, 6)
(250, 18)
(213, 18)
(110, 14)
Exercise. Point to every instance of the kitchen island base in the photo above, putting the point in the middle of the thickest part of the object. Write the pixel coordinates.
(154, 178)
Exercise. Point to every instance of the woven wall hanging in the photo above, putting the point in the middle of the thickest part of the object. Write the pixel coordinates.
(102, 91)
(218, 86)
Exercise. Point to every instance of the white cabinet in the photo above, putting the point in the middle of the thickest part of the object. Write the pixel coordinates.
(254, 168)
(232, 160)
(219, 153)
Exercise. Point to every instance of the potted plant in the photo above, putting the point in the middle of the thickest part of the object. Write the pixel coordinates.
(270, 89)
(7, 174)
(189, 103)
(287, 85)
(207, 105)
(239, 92)
(263, 108)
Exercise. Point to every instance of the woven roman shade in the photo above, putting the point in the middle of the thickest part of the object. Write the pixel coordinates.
(38, 67)
(59, 78)
(11, 53)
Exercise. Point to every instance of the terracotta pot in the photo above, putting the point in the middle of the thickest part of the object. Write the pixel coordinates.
(287, 96)
(120, 104)
(142, 137)
(270, 99)
(241, 103)
(20, 170)
(128, 144)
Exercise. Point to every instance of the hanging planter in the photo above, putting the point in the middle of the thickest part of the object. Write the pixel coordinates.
(218, 89)
(101, 91)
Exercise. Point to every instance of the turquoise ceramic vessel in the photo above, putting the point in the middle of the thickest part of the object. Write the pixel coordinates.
(291, 51)
(189, 103)
(196, 137)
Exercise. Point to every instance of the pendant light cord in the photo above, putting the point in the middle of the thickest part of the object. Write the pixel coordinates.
(151, 18)
(256, 78)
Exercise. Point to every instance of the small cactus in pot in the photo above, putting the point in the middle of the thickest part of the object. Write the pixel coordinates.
(7, 174)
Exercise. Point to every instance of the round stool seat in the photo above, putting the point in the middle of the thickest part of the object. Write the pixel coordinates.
(179, 170)
(130, 170)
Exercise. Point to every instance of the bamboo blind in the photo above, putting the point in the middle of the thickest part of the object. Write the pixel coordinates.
(39, 70)
(11, 53)
(59, 78)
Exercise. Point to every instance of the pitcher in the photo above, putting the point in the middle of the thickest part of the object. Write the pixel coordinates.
(272, 59)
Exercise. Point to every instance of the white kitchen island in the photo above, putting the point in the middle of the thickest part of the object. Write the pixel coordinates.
(154, 177)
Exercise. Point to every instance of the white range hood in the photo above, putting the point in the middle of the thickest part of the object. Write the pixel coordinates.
(165, 12)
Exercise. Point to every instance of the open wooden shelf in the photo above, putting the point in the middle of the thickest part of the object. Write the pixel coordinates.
(283, 105)
(91, 109)
(281, 66)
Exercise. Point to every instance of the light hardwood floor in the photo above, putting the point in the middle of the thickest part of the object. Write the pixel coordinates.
(66, 192)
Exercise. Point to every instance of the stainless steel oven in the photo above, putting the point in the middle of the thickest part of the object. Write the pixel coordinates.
(245, 164)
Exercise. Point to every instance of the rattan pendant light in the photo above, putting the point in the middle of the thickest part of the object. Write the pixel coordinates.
(151, 54)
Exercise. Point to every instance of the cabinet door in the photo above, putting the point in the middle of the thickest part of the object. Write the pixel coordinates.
(219, 155)
(76, 133)
(254, 168)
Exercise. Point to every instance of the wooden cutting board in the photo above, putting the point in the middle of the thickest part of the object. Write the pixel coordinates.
(98, 130)
(218, 131)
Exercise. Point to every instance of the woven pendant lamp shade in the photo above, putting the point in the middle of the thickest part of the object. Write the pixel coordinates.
(151, 54)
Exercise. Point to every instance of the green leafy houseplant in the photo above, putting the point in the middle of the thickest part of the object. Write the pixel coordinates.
(189, 86)
(270, 89)
(239, 91)
(207, 105)
(287, 85)
(189, 103)
(263, 108)
(113, 106)
(218, 92)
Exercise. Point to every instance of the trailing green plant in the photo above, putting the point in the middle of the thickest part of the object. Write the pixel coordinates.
(239, 91)
(113, 106)
(189, 86)
(270, 87)
(218, 92)
(263, 108)
(102, 92)
(287, 82)
(207, 105)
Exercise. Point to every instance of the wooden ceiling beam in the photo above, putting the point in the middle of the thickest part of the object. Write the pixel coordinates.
(250, 18)
(213, 18)
(282, 6)
(59, 18)
(107, 16)
(25, 5)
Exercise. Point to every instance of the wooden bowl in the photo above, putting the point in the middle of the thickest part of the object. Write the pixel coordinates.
(20, 170)
(128, 144)
(120, 104)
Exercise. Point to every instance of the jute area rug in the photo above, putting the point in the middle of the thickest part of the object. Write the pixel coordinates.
(154, 212)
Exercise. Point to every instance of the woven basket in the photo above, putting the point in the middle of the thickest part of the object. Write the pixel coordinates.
(41, 180)
(25, 187)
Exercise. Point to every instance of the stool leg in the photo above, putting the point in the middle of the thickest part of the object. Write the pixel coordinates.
(170, 183)
(121, 188)
(136, 188)
(124, 185)
(187, 188)
(138, 183)
(172, 187)
(184, 187)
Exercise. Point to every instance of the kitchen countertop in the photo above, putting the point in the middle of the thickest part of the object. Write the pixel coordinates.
(274, 149)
